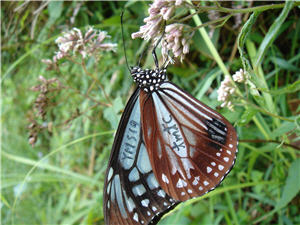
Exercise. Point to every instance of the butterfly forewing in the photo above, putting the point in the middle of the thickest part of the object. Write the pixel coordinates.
(132, 194)
(191, 147)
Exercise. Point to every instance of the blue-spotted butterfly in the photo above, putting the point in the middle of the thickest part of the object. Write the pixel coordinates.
(169, 148)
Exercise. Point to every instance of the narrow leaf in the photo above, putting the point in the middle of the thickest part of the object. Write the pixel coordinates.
(289, 89)
(272, 33)
(243, 36)
(55, 9)
(284, 128)
(292, 185)
(282, 63)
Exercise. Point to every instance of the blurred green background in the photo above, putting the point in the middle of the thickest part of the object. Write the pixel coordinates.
(60, 180)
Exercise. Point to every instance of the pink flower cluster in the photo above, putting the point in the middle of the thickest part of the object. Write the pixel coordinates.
(240, 76)
(89, 44)
(225, 93)
(175, 39)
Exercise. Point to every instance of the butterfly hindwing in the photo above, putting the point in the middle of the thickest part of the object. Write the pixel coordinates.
(191, 147)
(132, 194)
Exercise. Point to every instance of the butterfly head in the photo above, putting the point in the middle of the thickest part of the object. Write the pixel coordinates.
(149, 80)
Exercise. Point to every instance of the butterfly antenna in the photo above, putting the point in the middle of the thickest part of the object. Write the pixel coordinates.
(124, 41)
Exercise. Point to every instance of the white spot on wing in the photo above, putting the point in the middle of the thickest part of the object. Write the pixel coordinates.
(205, 183)
(209, 169)
(145, 202)
(221, 167)
(181, 183)
(218, 153)
(229, 152)
(226, 159)
(154, 208)
(108, 188)
(213, 163)
(196, 181)
(110, 173)
(182, 193)
(190, 191)
(200, 188)
(230, 146)
(216, 174)
(165, 178)
(161, 193)
(136, 217)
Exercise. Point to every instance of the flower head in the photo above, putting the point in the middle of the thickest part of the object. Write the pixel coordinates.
(225, 93)
(176, 40)
(159, 12)
(91, 43)
(175, 37)
(45, 88)
(240, 76)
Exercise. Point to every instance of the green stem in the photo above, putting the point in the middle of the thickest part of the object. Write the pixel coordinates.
(209, 43)
(246, 10)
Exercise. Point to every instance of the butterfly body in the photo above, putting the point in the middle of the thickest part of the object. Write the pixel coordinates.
(169, 148)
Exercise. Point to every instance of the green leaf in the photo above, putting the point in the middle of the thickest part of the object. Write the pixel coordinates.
(243, 36)
(55, 9)
(292, 185)
(111, 113)
(282, 63)
(289, 89)
(272, 33)
(247, 116)
(284, 128)
(254, 92)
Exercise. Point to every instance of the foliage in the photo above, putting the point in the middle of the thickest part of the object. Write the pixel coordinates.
(60, 180)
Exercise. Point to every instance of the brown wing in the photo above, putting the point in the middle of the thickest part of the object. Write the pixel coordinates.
(191, 147)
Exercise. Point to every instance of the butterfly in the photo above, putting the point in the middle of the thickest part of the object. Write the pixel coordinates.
(169, 147)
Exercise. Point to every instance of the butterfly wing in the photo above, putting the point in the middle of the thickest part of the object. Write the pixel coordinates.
(191, 147)
(132, 194)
